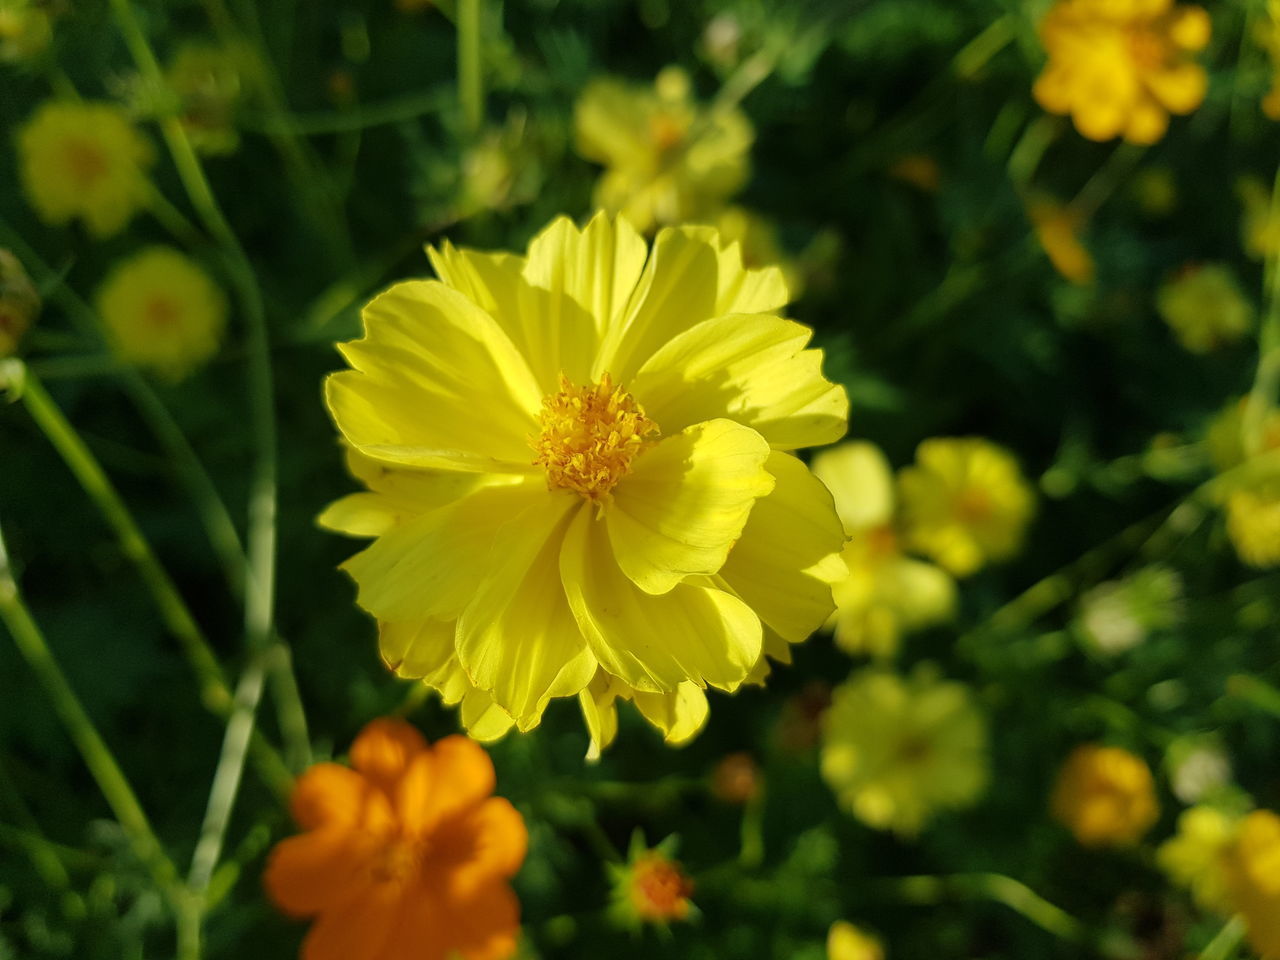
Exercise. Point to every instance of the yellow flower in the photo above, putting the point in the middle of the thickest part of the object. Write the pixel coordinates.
(1253, 520)
(206, 80)
(1253, 878)
(667, 159)
(578, 463)
(84, 160)
(897, 751)
(1252, 500)
(1105, 796)
(1120, 67)
(19, 302)
(964, 503)
(886, 592)
(1259, 229)
(847, 942)
(1195, 858)
(1225, 436)
(25, 29)
(162, 311)
(1057, 227)
(1205, 307)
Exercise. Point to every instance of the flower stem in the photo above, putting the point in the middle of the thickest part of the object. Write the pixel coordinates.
(1014, 894)
(470, 74)
(1224, 944)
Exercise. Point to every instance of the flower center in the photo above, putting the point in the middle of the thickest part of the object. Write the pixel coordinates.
(590, 436)
(86, 161)
(660, 890)
(399, 860)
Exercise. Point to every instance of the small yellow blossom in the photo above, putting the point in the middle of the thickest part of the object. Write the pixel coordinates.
(1195, 858)
(19, 302)
(886, 592)
(25, 29)
(1225, 436)
(84, 160)
(1105, 796)
(667, 159)
(206, 80)
(1205, 307)
(1253, 878)
(1250, 500)
(652, 887)
(162, 311)
(1058, 227)
(1120, 67)
(896, 751)
(847, 942)
(1253, 520)
(965, 503)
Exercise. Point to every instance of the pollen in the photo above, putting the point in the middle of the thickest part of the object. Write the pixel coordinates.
(590, 437)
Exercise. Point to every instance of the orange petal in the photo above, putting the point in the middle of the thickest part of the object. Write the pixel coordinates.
(487, 845)
(452, 778)
(330, 795)
(422, 932)
(310, 872)
(383, 750)
(487, 924)
(359, 929)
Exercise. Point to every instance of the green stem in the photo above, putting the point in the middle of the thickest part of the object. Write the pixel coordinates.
(1104, 182)
(1224, 944)
(1014, 894)
(402, 109)
(470, 75)
(978, 52)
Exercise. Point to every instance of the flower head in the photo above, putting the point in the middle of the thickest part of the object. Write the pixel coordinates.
(1105, 796)
(207, 82)
(1058, 228)
(1253, 520)
(162, 311)
(84, 160)
(25, 29)
(651, 887)
(886, 593)
(964, 503)
(19, 302)
(667, 159)
(1195, 858)
(404, 853)
(1253, 880)
(1120, 67)
(896, 750)
(847, 942)
(579, 477)
(1205, 307)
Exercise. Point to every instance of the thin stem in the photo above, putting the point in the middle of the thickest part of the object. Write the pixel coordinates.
(173, 219)
(998, 888)
(409, 107)
(978, 52)
(1224, 944)
(470, 74)
(1104, 182)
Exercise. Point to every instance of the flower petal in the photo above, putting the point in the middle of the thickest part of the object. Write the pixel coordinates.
(329, 794)
(751, 369)
(359, 929)
(436, 383)
(485, 925)
(787, 556)
(685, 502)
(314, 871)
(654, 643)
(417, 651)
(861, 483)
(680, 715)
(443, 784)
(490, 843)
(599, 706)
(692, 275)
(384, 749)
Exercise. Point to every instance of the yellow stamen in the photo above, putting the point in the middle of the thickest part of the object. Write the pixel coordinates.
(590, 436)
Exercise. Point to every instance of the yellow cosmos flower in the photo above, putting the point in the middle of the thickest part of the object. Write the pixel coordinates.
(1058, 227)
(886, 593)
(19, 302)
(1253, 521)
(965, 503)
(1195, 858)
(579, 474)
(162, 311)
(84, 160)
(1253, 878)
(25, 29)
(896, 751)
(1251, 501)
(1205, 307)
(1120, 67)
(667, 159)
(847, 942)
(1105, 796)
(1225, 436)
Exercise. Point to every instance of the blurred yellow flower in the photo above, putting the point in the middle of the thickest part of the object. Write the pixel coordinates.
(19, 302)
(964, 503)
(586, 448)
(206, 80)
(1253, 520)
(25, 29)
(1205, 307)
(651, 887)
(1058, 227)
(1105, 796)
(1195, 858)
(667, 159)
(84, 160)
(1252, 500)
(1259, 227)
(886, 592)
(162, 311)
(847, 942)
(1120, 67)
(1253, 878)
(1225, 436)
(896, 751)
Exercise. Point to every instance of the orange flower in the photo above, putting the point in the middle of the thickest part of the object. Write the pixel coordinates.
(406, 856)
(1105, 796)
(652, 887)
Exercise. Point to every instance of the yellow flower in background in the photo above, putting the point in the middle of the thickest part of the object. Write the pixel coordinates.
(1253, 879)
(1259, 228)
(1195, 858)
(206, 80)
(1253, 520)
(1225, 436)
(1120, 67)
(847, 942)
(19, 303)
(84, 160)
(896, 751)
(1105, 796)
(667, 158)
(162, 311)
(1058, 227)
(1205, 307)
(886, 593)
(965, 503)
(26, 28)
(578, 462)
